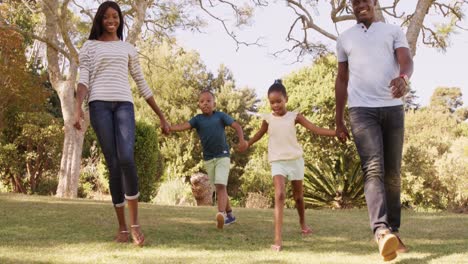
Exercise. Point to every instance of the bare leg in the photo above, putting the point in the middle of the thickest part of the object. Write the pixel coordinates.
(122, 235)
(298, 194)
(138, 237)
(223, 201)
(280, 197)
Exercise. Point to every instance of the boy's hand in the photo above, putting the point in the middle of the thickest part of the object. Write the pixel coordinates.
(243, 145)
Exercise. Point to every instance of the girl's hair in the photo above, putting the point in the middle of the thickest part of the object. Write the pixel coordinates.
(97, 29)
(278, 86)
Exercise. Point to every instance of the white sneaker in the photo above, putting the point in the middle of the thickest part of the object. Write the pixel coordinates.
(220, 218)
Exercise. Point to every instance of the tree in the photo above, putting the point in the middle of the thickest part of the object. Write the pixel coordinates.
(309, 40)
(20, 88)
(447, 98)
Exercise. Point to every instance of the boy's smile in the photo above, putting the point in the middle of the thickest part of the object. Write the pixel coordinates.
(206, 103)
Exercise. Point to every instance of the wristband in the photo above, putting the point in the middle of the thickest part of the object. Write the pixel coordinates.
(405, 78)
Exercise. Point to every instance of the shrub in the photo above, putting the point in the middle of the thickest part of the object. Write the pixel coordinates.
(175, 192)
(147, 159)
(336, 184)
(257, 200)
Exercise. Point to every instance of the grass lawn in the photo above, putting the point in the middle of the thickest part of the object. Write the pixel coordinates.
(37, 229)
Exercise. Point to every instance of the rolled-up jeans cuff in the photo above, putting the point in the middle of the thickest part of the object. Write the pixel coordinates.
(133, 197)
(122, 204)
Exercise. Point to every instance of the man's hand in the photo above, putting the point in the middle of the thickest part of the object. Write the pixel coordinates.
(399, 87)
(342, 132)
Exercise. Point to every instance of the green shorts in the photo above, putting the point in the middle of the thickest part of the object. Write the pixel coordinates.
(218, 170)
(293, 170)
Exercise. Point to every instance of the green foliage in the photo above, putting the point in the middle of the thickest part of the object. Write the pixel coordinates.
(94, 177)
(175, 192)
(446, 99)
(147, 159)
(30, 152)
(434, 169)
(335, 184)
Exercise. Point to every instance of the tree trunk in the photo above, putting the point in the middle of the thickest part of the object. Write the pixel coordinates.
(70, 164)
(378, 13)
(416, 23)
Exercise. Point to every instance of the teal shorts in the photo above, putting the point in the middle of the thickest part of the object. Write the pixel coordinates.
(218, 170)
(293, 170)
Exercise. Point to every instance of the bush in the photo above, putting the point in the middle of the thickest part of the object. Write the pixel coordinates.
(175, 192)
(147, 159)
(30, 150)
(94, 176)
(257, 200)
(337, 184)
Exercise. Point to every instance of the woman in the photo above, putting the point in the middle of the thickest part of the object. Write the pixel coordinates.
(105, 60)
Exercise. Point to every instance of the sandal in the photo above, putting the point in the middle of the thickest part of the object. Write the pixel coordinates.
(306, 231)
(137, 235)
(276, 248)
(122, 236)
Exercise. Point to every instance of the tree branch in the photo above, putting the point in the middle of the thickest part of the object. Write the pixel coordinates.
(223, 23)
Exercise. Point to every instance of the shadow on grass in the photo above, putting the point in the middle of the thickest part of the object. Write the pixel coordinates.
(47, 222)
(6, 260)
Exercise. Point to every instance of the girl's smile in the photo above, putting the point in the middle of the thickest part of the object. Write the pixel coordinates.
(277, 103)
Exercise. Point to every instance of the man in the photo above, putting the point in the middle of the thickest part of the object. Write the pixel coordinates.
(374, 67)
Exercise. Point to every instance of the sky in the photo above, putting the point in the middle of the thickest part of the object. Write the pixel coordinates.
(256, 68)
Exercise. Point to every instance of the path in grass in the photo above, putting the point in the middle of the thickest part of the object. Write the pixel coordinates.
(36, 229)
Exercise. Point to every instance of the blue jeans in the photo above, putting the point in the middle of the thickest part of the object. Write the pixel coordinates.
(114, 124)
(378, 134)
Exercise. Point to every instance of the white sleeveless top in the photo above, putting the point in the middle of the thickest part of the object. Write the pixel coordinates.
(282, 139)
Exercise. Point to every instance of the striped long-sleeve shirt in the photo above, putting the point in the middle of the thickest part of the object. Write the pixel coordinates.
(104, 68)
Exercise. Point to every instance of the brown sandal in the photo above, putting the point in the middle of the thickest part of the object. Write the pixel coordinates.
(137, 235)
(122, 236)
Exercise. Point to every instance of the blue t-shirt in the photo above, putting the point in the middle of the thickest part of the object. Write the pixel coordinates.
(210, 129)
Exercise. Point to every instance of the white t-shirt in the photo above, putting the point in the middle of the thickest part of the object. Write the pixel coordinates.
(372, 63)
(104, 68)
(282, 139)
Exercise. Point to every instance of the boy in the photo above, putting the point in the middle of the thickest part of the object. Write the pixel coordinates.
(210, 128)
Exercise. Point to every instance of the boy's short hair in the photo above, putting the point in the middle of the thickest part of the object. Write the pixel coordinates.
(207, 90)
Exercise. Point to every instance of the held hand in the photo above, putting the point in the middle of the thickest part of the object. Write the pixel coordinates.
(165, 127)
(243, 145)
(79, 117)
(342, 132)
(398, 87)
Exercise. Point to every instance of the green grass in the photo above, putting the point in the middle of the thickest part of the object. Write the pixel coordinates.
(37, 229)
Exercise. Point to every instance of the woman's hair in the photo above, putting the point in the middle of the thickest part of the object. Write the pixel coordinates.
(97, 29)
(278, 86)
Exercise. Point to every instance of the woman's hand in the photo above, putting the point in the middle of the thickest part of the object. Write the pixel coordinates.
(78, 117)
(165, 127)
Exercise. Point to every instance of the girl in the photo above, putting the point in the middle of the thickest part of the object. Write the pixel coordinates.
(285, 155)
(105, 61)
